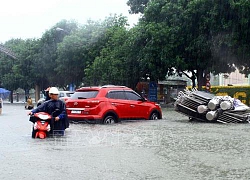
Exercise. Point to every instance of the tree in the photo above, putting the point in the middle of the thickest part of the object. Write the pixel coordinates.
(240, 34)
(198, 36)
(137, 6)
(47, 59)
(78, 51)
(108, 66)
(10, 76)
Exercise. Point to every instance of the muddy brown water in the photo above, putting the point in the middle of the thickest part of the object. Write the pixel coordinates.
(171, 148)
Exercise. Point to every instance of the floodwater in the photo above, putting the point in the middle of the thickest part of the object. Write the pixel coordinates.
(172, 148)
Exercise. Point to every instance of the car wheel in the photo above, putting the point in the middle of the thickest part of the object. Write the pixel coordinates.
(154, 116)
(109, 120)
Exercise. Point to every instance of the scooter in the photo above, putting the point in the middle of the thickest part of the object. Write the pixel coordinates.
(41, 125)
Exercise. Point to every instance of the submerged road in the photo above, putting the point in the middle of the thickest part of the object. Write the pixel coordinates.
(172, 148)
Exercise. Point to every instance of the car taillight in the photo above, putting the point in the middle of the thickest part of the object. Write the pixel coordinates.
(92, 103)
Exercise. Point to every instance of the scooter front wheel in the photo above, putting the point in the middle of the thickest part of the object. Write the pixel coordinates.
(33, 135)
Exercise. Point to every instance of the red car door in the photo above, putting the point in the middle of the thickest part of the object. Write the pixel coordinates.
(137, 107)
(119, 103)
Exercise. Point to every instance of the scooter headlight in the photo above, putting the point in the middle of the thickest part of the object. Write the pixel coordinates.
(43, 116)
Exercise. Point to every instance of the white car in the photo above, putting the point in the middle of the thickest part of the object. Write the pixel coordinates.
(63, 95)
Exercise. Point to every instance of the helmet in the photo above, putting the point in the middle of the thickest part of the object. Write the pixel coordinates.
(53, 90)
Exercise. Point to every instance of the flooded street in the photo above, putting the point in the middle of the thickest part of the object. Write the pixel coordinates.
(171, 148)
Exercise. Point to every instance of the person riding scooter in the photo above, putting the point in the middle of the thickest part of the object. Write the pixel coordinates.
(60, 122)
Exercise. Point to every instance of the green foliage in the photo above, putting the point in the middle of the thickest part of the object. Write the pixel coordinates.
(17, 72)
(173, 36)
(200, 34)
(75, 52)
(47, 60)
(137, 6)
(109, 66)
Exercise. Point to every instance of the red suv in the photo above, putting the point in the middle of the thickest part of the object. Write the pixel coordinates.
(110, 104)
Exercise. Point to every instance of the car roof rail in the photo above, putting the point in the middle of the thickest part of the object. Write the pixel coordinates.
(110, 85)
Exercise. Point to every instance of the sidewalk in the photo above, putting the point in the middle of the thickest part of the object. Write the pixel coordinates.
(15, 103)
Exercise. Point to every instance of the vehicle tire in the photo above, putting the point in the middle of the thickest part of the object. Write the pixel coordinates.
(154, 116)
(109, 120)
(33, 135)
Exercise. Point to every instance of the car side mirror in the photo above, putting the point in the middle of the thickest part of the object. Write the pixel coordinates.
(142, 99)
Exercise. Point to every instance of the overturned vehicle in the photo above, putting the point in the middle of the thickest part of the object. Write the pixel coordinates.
(207, 107)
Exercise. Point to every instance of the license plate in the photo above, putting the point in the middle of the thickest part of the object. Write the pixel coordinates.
(76, 112)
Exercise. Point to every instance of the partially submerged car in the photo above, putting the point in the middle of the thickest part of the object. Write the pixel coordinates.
(110, 104)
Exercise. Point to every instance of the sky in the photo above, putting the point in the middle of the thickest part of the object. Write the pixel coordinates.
(31, 18)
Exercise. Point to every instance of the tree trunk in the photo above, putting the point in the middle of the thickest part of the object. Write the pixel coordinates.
(200, 78)
(37, 92)
(26, 94)
(11, 96)
(193, 78)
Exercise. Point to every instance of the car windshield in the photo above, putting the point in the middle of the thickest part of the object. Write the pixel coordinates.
(84, 94)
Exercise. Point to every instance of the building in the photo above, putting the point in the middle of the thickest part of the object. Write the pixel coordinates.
(234, 78)
(167, 90)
